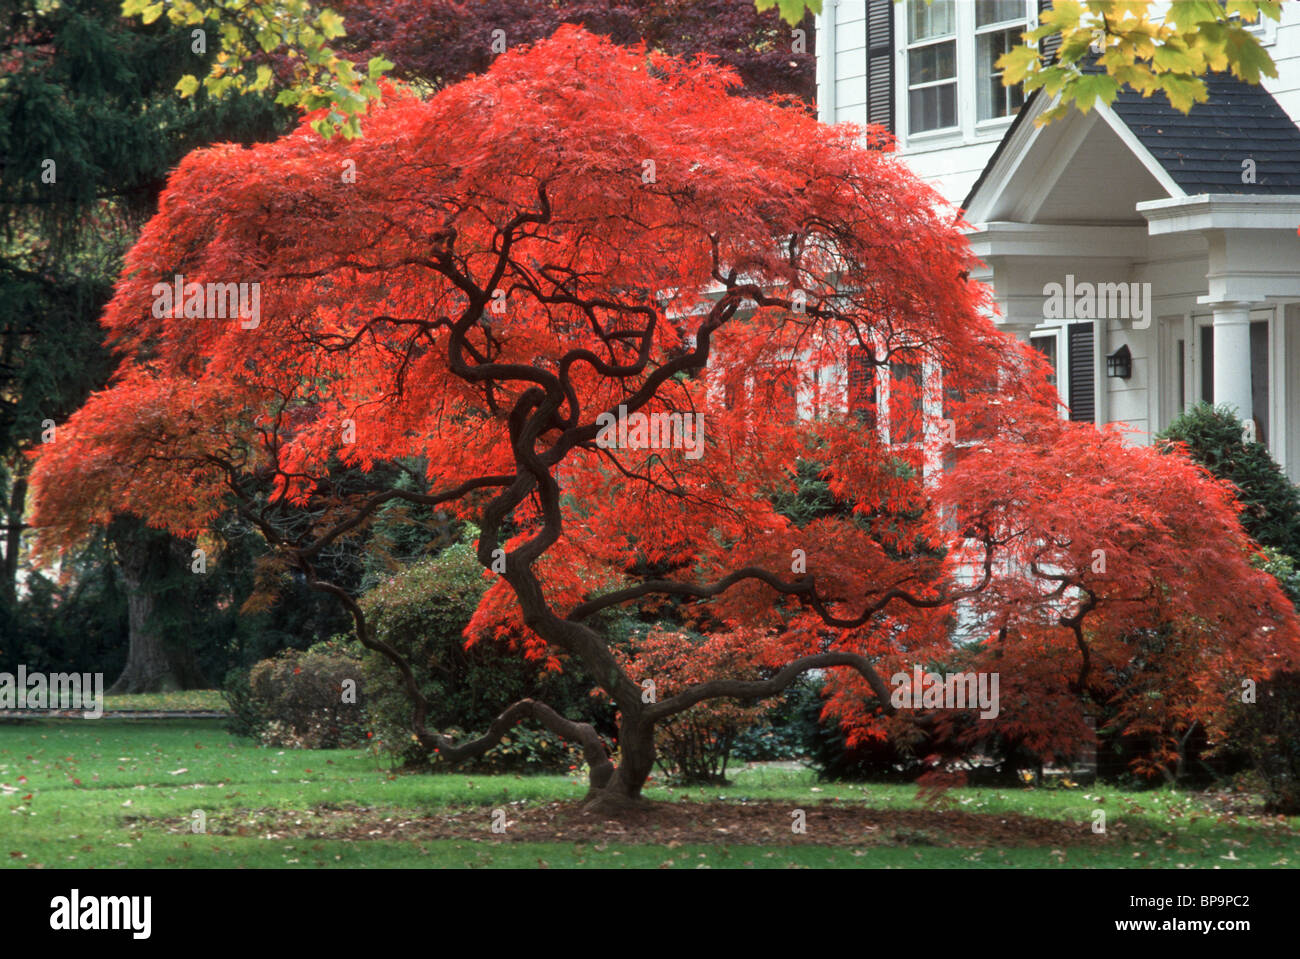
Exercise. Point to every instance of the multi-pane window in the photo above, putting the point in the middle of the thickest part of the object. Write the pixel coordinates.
(988, 12)
(931, 65)
(1047, 345)
(1069, 352)
(971, 407)
(951, 51)
(998, 27)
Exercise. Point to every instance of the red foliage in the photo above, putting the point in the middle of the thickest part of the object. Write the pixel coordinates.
(695, 744)
(1153, 605)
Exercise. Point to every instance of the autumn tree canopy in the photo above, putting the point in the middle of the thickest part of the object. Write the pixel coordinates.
(605, 310)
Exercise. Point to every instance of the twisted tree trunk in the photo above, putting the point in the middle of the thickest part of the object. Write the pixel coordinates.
(636, 740)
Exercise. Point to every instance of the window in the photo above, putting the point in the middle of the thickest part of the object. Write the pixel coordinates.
(1182, 375)
(1046, 343)
(1264, 28)
(931, 65)
(907, 391)
(1069, 351)
(948, 51)
(998, 26)
(733, 394)
(906, 407)
(971, 406)
(988, 12)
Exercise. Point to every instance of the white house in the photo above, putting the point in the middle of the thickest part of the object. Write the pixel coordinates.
(1164, 243)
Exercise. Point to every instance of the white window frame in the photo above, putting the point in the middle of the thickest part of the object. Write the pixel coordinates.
(931, 427)
(955, 38)
(995, 27)
(967, 129)
(1059, 336)
(1265, 29)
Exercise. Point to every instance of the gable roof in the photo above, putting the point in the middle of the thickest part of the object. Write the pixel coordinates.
(1026, 109)
(1203, 150)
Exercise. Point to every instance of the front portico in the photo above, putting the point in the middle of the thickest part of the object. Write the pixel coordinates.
(1139, 197)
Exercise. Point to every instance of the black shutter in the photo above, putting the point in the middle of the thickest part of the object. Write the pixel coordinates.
(1048, 45)
(906, 408)
(1082, 388)
(862, 387)
(880, 63)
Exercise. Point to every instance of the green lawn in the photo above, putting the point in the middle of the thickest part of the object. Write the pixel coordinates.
(191, 700)
(76, 792)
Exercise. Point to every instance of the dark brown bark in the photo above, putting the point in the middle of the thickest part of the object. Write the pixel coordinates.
(636, 740)
(13, 538)
(153, 665)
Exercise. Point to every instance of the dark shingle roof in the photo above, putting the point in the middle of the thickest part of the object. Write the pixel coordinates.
(1203, 150)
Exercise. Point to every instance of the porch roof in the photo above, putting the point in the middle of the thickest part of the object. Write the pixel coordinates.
(1204, 149)
(1197, 153)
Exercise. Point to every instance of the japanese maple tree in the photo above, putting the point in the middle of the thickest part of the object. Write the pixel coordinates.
(1122, 593)
(453, 310)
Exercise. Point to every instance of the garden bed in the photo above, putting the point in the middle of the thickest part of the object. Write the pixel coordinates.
(666, 824)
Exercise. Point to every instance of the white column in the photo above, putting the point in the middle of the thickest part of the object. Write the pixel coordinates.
(1232, 357)
(1279, 392)
(1100, 379)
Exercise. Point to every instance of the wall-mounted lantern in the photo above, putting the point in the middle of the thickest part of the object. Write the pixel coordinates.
(1120, 363)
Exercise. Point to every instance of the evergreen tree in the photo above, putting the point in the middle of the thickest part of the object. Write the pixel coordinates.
(1271, 504)
(90, 127)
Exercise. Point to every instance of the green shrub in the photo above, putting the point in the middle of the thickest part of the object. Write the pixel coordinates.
(1282, 568)
(1271, 504)
(1266, 733)
(422, 612)
(1269, 732)
(785, 730)
(245, 719)
(525, 749)
(876, 759)
(309, 699)
(827, 748)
